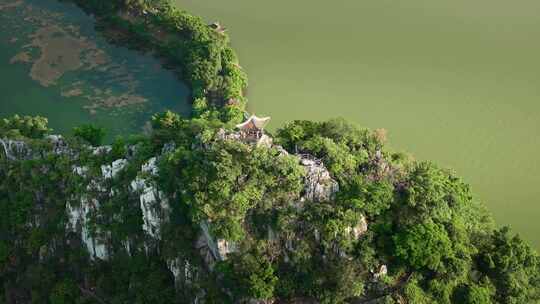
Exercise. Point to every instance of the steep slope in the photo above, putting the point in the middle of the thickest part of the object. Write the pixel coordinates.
(194, 214)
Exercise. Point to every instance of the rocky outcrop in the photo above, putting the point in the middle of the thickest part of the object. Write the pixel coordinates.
(319, 185)
(79, 221)
(81, 211)
(359, 230)
(182, 271)
(101, 150)
(59, 145)
(213, 250)
(222, 134)
(380, 272)
(154, 204)
(225, 248)
(15, 150)
(110, 171)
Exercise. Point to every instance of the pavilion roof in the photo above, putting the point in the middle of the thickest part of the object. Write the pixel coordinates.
(254, 122)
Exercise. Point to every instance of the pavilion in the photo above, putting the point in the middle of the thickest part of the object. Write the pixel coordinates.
(253, 127)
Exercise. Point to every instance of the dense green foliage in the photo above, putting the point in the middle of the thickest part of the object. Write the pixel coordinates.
(90, 133)
(250, 275)
(27, 126)
(438, 243)
(395, 231)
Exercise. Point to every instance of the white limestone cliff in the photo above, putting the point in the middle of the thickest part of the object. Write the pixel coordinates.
(182, 271)
(110, 171)
(319, 185)
(213, 250)
(14, 149)
(360, 229)
(79, 217)
(80, 213)
(154, 204)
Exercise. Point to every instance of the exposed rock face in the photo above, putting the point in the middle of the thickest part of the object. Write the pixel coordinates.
(182, 271)
(319, 185)
(224, 135)
(154, 203)
(381, 272)
(81, 171)
(14, 149)
(110, 171)
(225, 247)
(150, 166)
(207, 246)
(80, 210)
(101, 150)
(83, 209)
(79, 218)
(265, 141)
(155, 208)
(80, 215)
(60, 146)
(213, 250)
(360, 229)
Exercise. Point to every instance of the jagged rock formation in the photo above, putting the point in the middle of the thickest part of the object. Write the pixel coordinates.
(79, 218)
(381, 272)
(212, 250)
(82, 210)
(319, 185)
(14, 149)
(110, 171)
(360, 229)
(154, 203)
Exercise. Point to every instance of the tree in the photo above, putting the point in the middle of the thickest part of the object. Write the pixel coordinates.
(294, 133)
(250, 275)
(4, 254)
(65, 292)
(512, 266)
(423, 245)
(90, 133)
(28, 126)
(475, 294)
(415, 294)
(334, 281)
(372, 197)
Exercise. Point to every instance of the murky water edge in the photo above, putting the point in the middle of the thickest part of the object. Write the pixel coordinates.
(53, 63)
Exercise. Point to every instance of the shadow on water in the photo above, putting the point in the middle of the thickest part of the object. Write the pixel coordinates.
(54, 64)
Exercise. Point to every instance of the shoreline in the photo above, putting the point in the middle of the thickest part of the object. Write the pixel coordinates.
(198, 53)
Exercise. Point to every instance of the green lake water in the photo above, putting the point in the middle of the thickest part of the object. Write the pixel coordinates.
(456, 82)
(125, 71)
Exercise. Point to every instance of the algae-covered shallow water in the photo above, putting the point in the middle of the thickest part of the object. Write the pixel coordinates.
(453, 81)
(54, 64)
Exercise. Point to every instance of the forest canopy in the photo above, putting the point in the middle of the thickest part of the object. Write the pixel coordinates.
(426, 239)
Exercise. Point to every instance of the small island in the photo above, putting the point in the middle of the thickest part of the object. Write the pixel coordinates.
(214, 208)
